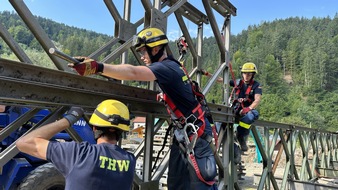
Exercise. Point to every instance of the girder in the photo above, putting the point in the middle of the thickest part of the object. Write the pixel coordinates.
(24, 84)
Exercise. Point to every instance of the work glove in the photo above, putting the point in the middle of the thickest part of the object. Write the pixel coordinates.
(245, 110)
(74, 114)
(86, 66)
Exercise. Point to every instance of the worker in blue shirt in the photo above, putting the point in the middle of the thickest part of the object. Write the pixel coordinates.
(195, 167)
(104, 165)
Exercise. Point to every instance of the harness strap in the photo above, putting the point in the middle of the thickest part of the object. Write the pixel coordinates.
(176, 114)
(214, 132)
(247, 92)
(197, 170)
(173, 110)
(193, 162)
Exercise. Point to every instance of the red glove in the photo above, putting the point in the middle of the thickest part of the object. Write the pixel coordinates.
(203, 72)
(245, 110)
(87, 66)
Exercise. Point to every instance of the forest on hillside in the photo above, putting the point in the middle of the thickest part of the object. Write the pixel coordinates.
(296, 59)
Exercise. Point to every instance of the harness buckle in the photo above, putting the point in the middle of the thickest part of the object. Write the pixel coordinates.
(192, 118)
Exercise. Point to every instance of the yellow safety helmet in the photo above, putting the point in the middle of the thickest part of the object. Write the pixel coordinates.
(111, 113)
(150, 37)
(249, 68)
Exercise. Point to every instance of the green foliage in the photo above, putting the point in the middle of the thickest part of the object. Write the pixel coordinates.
(296, 59)
(74, 41)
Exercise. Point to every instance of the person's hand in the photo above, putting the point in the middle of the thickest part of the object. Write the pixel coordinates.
(86, 66)
(74, 114)
(203, 72)
(245, 110)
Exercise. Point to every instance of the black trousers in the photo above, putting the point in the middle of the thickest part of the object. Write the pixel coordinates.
(182, 175)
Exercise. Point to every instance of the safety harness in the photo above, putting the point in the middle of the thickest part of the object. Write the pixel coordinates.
(181, 120)
(240, 102)
(186, 126)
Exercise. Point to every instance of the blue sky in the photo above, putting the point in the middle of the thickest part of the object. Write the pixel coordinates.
(93, 14)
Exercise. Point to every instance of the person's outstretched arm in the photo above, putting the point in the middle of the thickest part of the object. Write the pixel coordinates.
(36, 142)
(88, 66)
(128, 72)
(209, 75)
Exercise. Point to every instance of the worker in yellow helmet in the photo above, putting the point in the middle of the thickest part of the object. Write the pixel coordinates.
(104, 165)
(188, 118)
(248, 94)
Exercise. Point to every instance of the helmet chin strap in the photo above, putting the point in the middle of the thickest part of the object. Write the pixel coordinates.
(155, 58)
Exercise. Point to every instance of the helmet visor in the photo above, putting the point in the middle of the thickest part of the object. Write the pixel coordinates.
(138, 42)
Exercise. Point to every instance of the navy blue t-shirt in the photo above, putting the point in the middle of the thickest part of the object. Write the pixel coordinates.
(93, 166)
(174, 83)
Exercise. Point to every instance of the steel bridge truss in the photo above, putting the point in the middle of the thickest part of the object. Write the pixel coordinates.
(306, 155)
(23, 84)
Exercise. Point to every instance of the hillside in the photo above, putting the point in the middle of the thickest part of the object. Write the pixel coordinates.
(296, 60)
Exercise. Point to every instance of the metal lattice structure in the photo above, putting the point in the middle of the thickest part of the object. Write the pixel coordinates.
(25, 84)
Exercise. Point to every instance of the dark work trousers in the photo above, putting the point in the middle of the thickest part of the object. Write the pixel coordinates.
(182, 175)
(249, 118)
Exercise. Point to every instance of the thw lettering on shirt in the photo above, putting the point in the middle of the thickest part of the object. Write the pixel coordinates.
(113, 164)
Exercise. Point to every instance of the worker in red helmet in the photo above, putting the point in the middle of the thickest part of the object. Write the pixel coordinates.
(188, 119)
